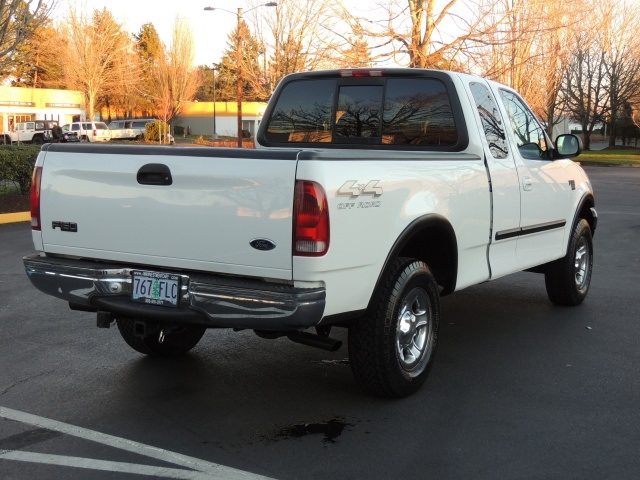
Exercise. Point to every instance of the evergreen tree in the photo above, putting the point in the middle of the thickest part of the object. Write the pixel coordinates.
(151, 51)
(38, 60)
(252, 76)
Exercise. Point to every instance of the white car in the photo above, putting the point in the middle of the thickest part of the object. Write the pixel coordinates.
(90, 131)
(129, 129)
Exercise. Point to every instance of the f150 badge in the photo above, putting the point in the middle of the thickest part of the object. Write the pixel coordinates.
(353, 190)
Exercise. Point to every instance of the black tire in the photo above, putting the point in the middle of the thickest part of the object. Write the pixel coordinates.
(391, 347)
(568, 279)
(57, 132)
(174, 344)
(38, 140)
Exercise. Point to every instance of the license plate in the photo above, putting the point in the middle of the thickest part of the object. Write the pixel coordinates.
(155, 288)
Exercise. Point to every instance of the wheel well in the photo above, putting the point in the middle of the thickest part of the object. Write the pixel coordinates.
(436, 247)
(433, 241)
(586, 213)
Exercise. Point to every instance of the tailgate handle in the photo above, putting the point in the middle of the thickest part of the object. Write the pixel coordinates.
(154, 174)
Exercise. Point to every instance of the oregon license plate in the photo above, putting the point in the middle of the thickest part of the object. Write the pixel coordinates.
(155, 288)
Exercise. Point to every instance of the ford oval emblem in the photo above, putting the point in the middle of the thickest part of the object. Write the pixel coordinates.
(262, 244)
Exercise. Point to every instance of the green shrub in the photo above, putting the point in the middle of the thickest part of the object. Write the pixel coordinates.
(16, 165)
(155, 129)
(178, 130)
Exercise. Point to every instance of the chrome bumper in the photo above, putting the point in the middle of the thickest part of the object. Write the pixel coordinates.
(205, 299)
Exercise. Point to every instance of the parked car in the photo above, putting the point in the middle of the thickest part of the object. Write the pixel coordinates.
(32, 131)
(90, 131)
(129, 129)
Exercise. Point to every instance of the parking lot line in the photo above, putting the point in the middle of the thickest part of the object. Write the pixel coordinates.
(93, 464)
(15, 217)
(197, 466)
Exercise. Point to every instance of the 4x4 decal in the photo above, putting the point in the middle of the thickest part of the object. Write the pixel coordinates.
(351, 188)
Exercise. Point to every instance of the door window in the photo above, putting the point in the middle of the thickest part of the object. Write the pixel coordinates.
(528, 133)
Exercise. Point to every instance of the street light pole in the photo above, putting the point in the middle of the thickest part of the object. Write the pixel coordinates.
(213, 71)
(239, 69)
(238, 62)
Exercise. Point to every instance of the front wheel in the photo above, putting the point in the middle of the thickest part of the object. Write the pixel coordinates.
(568, 279)
(391, 347)
(172, 343)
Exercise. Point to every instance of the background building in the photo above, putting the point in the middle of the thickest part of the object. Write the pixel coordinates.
(197, 117)
(18, 104)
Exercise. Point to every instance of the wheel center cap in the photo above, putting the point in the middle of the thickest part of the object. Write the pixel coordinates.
(406, 322)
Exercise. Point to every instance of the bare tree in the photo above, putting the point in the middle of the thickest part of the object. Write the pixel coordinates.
(298, 35)
(173, 80)
(95, 46)
(621, 46)
(18, 20)
(419, 32)
(529, 51)
(584, 86)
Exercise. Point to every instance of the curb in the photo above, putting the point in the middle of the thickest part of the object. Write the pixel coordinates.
(15, 217)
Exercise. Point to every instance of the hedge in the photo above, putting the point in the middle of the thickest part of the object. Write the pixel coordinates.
(16, 165)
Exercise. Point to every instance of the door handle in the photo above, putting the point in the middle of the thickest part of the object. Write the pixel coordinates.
(154, 174)
(527, 184)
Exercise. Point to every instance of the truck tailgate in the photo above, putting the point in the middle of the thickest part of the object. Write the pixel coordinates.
(208, 207)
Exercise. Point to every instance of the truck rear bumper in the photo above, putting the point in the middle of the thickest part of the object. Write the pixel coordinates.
(205, 299)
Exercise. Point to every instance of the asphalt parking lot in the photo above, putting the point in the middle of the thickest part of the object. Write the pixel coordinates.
(520, 389)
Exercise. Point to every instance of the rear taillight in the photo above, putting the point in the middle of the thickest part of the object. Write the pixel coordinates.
(310, 220)
(95, 133)
(35, 198)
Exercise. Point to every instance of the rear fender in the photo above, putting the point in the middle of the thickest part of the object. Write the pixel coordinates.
(431, 239)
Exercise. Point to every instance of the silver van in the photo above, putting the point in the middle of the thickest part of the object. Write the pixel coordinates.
(129, 129)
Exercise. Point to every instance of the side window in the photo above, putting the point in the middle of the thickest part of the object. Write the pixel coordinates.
(417, 111)
(358, 113)
(127, 124)
(491, 120)
(528, 133)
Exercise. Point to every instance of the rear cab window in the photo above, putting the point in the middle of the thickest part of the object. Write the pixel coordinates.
(419, 111)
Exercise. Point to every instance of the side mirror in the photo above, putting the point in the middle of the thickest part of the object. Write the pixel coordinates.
(568, 146)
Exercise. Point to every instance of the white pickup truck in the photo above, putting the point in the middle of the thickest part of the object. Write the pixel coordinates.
(371, 194)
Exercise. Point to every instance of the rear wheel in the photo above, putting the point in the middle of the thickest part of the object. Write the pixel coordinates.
(38, 140)
(568, 279)
(391, 347)
(173, 343)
